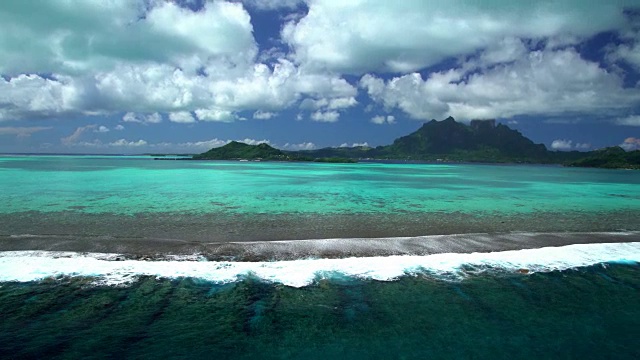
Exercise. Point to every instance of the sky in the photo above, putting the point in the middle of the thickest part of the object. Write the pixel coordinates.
(183, 76)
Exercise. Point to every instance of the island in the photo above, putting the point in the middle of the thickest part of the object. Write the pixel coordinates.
(447, 141)
(262, 152)
(610, 158)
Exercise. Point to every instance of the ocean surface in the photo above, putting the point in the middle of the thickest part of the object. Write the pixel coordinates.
(127, 257)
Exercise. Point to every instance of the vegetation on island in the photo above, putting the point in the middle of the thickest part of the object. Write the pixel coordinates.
(451, 141)
(440, 141)
(264, 152)
(611, 158)
(240, 151)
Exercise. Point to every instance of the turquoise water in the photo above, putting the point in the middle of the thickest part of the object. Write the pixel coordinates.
(553, 303)
(216, 201)
(125, 185)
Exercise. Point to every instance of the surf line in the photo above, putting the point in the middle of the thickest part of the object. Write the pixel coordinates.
(25, 266)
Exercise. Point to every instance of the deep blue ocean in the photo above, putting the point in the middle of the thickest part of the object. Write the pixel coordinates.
(583, 313)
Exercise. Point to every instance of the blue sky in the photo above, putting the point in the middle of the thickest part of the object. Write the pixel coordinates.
(135, 76)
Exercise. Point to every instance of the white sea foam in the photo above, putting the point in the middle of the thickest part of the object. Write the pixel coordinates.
(23, 266)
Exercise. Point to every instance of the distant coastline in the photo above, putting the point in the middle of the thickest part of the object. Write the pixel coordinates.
(446, 141)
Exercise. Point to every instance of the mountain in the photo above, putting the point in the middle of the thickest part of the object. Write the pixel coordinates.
(481, 140)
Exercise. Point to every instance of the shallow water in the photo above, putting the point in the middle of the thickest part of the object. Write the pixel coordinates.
(123, 185)
(209, 201)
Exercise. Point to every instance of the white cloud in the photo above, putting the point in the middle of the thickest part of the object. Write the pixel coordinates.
(36, 96)
(153, 118)
(544, 82)
(183, 117)
(400, 36)
(22, 132)
(583, 146)
(215, 115)
(119, 127)
(328, 116)
(301, 146)
(561, 144)
(143, 58)
(82, 38)
(221, 94)
(341, 103)
(380, 119)
(254, 142)
(633, 120)
(631, 144)
(363, 144)
(328, 104)
(125, 143)
(263, 115)
(101, 129)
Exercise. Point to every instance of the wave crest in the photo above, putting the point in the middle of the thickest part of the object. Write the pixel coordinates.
(113, 269)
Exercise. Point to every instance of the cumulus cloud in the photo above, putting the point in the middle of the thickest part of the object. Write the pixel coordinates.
(263, 115)
(380, 119)
(301, 146)
(36, 96)
(631, 144)
(82, 38)
(101, 129)
(544, 82)
(363, 144)
(119, 127)
(561, 144)
(254, 142)
(371, 35)
(328, 116)
(215, 115)
(153, 118)
(184, 117)
(223, 92)
(22, 132)
(125, 143)
(147, 57)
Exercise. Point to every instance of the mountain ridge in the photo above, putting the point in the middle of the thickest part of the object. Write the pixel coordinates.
(443, 141)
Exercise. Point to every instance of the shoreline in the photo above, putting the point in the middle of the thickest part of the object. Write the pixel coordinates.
(286, 250)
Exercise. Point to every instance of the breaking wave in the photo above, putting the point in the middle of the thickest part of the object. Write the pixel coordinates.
(114, 269)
